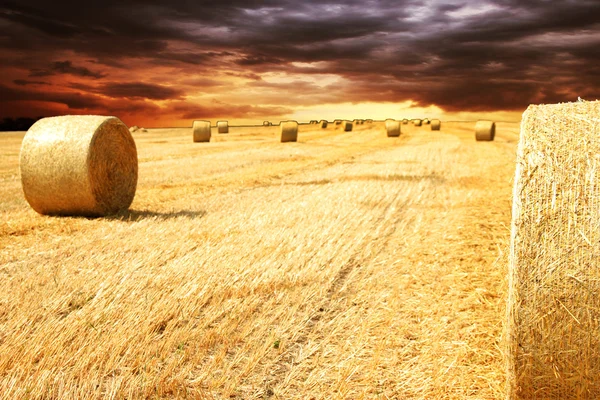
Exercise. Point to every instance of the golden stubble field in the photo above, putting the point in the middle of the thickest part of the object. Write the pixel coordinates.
(348, 265)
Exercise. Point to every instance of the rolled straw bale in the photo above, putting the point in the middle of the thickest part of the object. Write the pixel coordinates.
(347, 126)
(405, 121)
(79, 165)
(201, 131)
(392, 127)
(485, 130)
(289, 131)
(436, 124)
(223, 127)
(553, 309)
(266, 123)
(417, 122)
(338, 121)
(426, 121)
(314, 122)
(134, 128)
(369, 121)
(324, 124)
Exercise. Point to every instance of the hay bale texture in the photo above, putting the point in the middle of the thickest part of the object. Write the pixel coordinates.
(392, 127)
(553, 326)
(222, 127)
(485, 131)
(289, 131)
(79, 165)
(201, 131)
(436, 124)
(324, 124)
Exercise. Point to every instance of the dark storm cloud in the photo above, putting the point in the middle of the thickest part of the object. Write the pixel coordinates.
(24, 82)
(65, 67)
(459, 55)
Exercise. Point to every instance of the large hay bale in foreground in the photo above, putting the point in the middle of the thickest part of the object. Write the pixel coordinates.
(553, 326)
(392, 127)
(79, 165)
(485, 130)
(417, 122)
(222, 127)
(289, 131)
(347, 126)
(324, 124)
(436, 124)
(201, 131)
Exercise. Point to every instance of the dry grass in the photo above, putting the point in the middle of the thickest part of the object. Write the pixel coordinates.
(341, 266)
(553, 331)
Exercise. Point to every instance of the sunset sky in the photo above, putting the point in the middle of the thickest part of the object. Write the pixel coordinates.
(158, 63)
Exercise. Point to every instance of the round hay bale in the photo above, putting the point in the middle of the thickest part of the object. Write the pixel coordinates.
(289, 131)
(417, 122)
(79, 165)
(201, 131)
(134, 128)
(392, 127)
(369, 121)
(223, 127)
(324, 124)
(266, 123)
(314, 122)
(405, 121)
(426, 121)
(347, 126)
(436, 124)
(553, 308)
(337, 122)
(485, 130)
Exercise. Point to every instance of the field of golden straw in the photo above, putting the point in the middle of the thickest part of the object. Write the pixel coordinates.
(347, 265)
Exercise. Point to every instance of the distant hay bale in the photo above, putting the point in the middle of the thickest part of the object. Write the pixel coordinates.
(405, 121)
(485, 130)
(347, 126)
(223, 127)
(369, 121)
(266, 123)
(314, 122)
(289, 131)
(134, 128)
(79, 165)
(201, 131)
(426, 121)
(337, 121)
(143, 130)
(417, 122)
(436, 124)
(324, 124)
(553, 323)
(392, 127)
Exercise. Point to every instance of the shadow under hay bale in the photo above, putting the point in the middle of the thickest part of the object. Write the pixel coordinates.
(201, 131)
(553, 316)
(222, 127)
(392, 128)
(485, 131)
(79, 165)
(289, 131)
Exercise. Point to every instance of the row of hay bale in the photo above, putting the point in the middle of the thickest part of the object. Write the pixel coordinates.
(87, 165)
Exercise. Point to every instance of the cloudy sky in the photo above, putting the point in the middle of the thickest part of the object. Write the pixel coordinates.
(158, 63)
